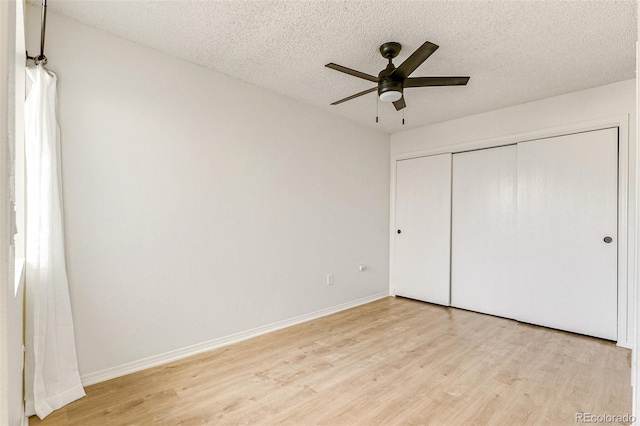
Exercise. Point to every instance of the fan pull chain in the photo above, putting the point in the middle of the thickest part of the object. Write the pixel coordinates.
(377, 103)
(403, 116)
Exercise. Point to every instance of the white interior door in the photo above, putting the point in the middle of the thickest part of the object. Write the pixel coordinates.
(423, 229)
(484, 230)
(567, 206)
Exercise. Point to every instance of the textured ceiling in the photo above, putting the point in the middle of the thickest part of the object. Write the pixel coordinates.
(514, 51)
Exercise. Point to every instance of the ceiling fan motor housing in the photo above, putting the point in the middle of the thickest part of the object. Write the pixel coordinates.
(389, 85)
(386, 83)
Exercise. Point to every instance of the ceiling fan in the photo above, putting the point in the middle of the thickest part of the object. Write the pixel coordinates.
(392, 81)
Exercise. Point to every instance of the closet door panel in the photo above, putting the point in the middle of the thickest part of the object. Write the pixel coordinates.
(423, 229)
(484, 230)
(567, 206)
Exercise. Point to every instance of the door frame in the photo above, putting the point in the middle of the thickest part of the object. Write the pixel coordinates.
(626, 236)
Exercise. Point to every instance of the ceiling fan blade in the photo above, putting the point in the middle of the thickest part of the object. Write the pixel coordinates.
(355, 96)
(399, 104)
(435, 81)
(414, 61)
(352, 72)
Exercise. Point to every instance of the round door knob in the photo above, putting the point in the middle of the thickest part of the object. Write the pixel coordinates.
(399, 231)
(608, 240)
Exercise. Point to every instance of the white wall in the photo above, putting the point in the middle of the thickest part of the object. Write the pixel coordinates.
(587, 105)
(198, 206)
(599, 102)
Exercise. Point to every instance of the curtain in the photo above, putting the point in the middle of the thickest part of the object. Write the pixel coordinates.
(52, 379)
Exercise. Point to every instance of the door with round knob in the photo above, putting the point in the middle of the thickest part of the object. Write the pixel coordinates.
(608, 240)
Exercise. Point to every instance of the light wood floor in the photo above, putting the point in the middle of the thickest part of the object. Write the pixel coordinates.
(394, 361)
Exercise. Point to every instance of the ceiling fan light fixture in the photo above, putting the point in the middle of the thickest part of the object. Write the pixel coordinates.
(390, 96)
(389, 90)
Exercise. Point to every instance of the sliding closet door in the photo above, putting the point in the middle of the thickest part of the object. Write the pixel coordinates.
(484, 230)
(567, 232)
(423, 228)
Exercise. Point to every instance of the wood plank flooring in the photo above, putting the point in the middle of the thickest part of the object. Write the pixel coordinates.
(394, 361)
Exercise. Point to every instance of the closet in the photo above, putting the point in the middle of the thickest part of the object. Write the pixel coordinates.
(423, 228)
(484, 229)
(567, 232)
(526, 231)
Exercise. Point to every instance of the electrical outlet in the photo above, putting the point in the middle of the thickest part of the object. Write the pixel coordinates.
(329, 279)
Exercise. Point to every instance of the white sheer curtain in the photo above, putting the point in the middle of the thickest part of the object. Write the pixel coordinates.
(52, 379)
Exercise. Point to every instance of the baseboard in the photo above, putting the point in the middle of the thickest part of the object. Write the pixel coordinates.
(154, 361)
(624, 344)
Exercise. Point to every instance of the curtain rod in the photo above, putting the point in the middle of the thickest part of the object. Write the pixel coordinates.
(41, 59)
